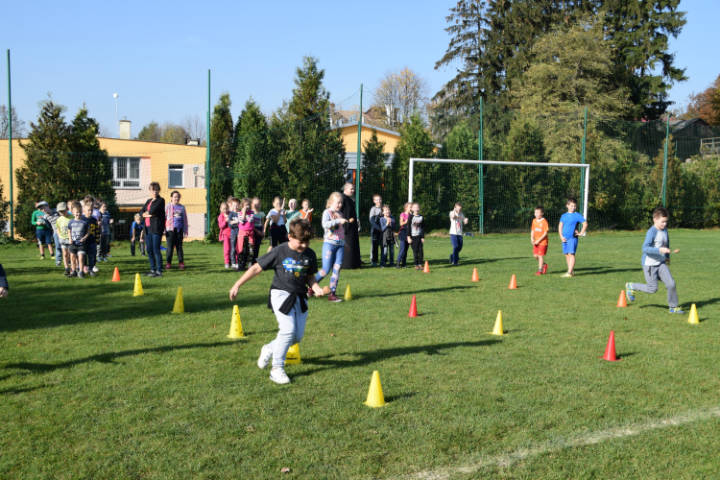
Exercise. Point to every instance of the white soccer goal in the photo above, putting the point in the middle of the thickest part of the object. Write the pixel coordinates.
(550, 174)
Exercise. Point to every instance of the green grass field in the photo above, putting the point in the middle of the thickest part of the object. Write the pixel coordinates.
(96, 384)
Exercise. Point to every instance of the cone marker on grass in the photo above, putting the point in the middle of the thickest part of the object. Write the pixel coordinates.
(413, 308)
(610, 354)
(513, 282)
(426, 268)
(498, 328)
(375, 397)
(475, 277)
(622, 301)
(179, 306)
(348, 293)
(236, 330)
(137, 289)
(116, 275)
(293, 355)
(693, 318)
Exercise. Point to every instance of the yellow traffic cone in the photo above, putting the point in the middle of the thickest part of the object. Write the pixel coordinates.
(348, 293)
(693, 319)
(498, 330)
(179, 306)
(138, 291)
(293, 355)
(236, 330)
(375, 396)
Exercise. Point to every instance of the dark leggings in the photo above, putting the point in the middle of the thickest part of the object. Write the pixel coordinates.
(417, 248)
(402, 253)
(174, 240)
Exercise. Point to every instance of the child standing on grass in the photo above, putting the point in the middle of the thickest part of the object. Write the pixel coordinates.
(259, 220)
(291, 213)
(234, 223)
(105, 222)
(539, 239)
(333, 248)
(569, 234)
(61, 228)
(78, 230)
(417, 236)
(306, 211)
(276, 220)
(655, 260)
(294, 264)
(137, 235)
(224, 235)
(43, 231)
(403, 235)
(457, 220)
(93, 233)
(387, 225)
(376, 233)
(176, 229)
(246, 237)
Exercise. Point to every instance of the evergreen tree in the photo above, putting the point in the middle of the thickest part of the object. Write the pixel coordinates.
(4, 207)
(372, 172)
(221, 158)
(462, 144)
(150, 132)
(311, 156)
(255, 170)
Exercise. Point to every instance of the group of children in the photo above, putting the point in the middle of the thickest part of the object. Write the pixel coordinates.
(411, 232)
(243, 225)
(80, 240)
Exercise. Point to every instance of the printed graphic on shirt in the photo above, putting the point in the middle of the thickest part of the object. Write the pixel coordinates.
(295, 267)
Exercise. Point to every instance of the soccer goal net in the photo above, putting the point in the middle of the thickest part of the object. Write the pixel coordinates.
(496, 196)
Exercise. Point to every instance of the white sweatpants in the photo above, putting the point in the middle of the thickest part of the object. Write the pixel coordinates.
(291, 327)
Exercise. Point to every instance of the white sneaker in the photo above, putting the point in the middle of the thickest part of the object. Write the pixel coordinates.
(278, 375)
(265, 356)
(95, 269)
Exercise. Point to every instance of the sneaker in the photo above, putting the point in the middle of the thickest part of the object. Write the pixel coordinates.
(167, 266)
(629, 293)
(567, 275)
(266, 354)
(373, 264)
(67, 272)
(333, 298)
(227, 266)
(42, 257)
(676, 310)
(544, 269)
(93, 274)
(278, 375)
(58, 263)
(80, 275)
(73, 274)
(158, 273)
(151, 273)
(181, 266)
(95, 269)
(310, 292)
(538, 273)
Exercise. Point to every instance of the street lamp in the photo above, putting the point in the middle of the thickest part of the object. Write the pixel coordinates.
(117, 121)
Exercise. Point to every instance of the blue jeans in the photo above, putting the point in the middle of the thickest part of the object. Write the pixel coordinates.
(152, 241)
(291, 327)
(332, 257)
(457, 244)
(387, 255)
(402, 252)
(58, 249)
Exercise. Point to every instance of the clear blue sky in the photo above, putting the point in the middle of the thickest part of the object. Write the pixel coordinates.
(155, 54)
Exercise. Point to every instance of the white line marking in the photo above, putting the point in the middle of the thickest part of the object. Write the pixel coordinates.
(578, 440)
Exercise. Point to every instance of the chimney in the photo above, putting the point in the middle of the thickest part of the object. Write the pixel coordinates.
(124, 129)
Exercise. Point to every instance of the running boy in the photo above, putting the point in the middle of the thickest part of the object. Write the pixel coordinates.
(539, 239)
(655, 259)
(295, 265)
(569, 234)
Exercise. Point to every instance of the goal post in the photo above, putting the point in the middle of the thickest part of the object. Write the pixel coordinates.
(564, 187)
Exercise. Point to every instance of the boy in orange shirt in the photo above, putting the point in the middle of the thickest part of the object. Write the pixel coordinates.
(539, 239)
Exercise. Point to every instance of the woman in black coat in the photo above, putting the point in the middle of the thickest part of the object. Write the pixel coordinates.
(351, 259)
(153, 212)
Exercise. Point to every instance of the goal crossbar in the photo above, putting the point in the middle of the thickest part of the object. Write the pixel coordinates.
(586, 166)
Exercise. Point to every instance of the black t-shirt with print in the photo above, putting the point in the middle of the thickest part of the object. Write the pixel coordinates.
(293, 270)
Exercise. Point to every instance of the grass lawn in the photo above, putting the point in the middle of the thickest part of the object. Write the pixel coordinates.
(97, 384)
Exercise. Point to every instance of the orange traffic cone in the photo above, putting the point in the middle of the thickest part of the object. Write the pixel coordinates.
(513, 283)
(610, 355)
(116, 275)
(413, 308)
(426, 269)
(622, 301)
(475, 277)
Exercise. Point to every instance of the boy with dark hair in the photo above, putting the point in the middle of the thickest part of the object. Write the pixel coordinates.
(655, 259)
(295, 266)
(569, 234)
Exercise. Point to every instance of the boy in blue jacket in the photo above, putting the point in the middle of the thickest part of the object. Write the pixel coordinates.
(655, 259)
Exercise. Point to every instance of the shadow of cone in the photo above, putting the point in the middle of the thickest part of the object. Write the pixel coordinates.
(693, 319)
(426, 268)
(116, 275)
(513, 282)
(622, 301)
(610, 355)
(179, 306)
(348, 293)
(475, 277)
(137, 289)
(375, 397)
(413, 308)
(236, 330)
(498, 329)
(293, 355)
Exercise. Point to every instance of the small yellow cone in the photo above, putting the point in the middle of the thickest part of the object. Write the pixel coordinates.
(137, 290)
(179, 306)
(693, 319)
(236, 330)
(293, 355)
(498, 330)
(375, 396)
(348, 293)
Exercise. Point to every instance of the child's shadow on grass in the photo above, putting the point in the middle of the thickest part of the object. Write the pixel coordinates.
(327, 362)
(601, 270)
(414, 292)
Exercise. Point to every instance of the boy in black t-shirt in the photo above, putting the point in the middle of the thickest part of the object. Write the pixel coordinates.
(295, 266)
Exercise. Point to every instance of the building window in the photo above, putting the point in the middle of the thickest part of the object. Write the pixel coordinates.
(126, 172)
(175, 176)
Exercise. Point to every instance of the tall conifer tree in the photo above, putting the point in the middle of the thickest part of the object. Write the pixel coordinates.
(221, 158)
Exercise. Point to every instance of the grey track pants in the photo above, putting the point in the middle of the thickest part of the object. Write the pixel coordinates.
(652, 274)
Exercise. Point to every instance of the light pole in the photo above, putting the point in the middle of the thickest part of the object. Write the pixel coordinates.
(117, 120)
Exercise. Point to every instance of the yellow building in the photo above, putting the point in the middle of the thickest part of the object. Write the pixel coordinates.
(135, 164)
(349, 135)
